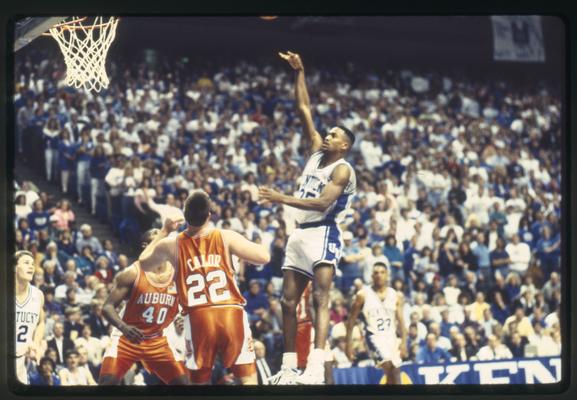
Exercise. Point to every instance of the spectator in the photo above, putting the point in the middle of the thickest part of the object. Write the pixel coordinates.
(51, 306)
(73, 325)
(86, 239)
(350, 263)
(479, 307)
(481, 251)
(98, 324)
(256, 301)
(517, 345)
(262, 365)
(394, 255)
(461, 351)
(542, 340)
(523, 325)
(554, 283)
(494, 350)
(74, 374)
(93, 345)
(60, 343)
(500, 259)
(38, 219)
(66, 158)
(98, 169)
(45, 374)
(103, 271)
(430, 353)
(519, 254)
(64, 215)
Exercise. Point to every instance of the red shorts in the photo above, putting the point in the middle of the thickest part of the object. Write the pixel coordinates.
(220, 330)
(303, 342)
(155, 354)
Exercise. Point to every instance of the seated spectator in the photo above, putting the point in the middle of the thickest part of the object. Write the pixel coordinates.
(98, 324)
(64, 215)
(430, 353)
(461, 350)
(339, 353)
(69, 282)
(479, 307)
(51, 306)
(38, 219)
(73, 324)
(442, 342)
(103, 271)
(45, 374)
(84, 361)
(523, 324)
(338, 312)
(74, 374)
(256, 301)
(494, 350)
(516, 345)
(86, 239)
(60, 342)
(92, 344)
(65, 244)
(85, 261)
(110, 253)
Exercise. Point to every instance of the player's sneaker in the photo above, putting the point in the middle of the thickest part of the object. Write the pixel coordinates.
(286, 376)
(312, 376)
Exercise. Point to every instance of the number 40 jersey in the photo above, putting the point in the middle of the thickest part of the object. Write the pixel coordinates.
(150, 308)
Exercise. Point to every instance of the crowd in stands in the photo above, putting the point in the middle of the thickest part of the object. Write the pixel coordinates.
(459, 193)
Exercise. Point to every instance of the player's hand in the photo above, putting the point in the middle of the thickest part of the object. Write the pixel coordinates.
(293, 59)
(403, 351)
(169, 225)
(268, 194)
(132, 333)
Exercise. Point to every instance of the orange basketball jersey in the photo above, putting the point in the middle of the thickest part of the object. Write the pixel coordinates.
(205, 276)
(151, 307)
(304, 308)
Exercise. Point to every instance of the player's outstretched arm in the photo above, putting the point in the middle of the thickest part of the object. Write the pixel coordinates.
(339, 180)
(303, 101)
(358, 303)
(122, 285)
(160, 249)
(245, 249)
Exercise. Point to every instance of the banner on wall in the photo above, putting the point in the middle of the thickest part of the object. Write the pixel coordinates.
(517, 38)
(514, 371)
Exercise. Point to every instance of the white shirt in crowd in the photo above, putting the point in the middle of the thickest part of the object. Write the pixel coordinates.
(520, 255)
(501, 352)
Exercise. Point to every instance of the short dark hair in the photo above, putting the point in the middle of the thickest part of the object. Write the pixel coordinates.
(71, 352)
(380, 264)
(197, 208)
(146, 237)
(349, 133)
(45, 360)
(21, 253)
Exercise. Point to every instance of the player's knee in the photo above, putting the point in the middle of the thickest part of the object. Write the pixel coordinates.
(201, 376)
(288, 305)
(320, 297)
(108, 380)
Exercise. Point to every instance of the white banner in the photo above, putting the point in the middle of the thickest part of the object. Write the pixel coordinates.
(518, 38)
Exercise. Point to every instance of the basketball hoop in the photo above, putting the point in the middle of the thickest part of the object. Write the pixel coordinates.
(84, 46)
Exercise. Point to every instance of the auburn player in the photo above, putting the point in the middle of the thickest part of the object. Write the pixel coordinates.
(151, 305)
(304, 327)
(29, 315)
(215, 319)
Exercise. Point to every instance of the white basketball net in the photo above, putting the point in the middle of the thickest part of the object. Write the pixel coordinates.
(84, 48)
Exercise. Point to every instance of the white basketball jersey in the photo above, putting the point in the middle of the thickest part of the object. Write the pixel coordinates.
(311, 184)
(380, 315)
(27, 318)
